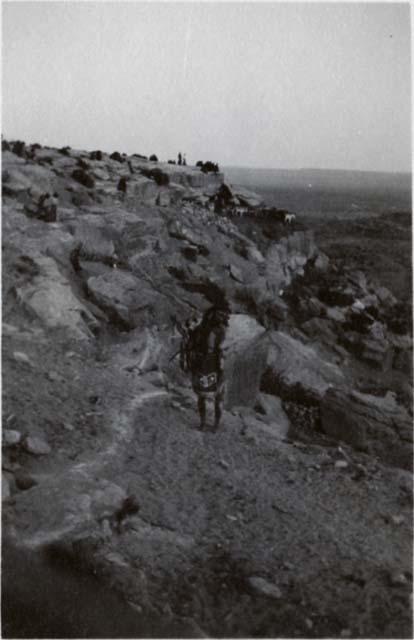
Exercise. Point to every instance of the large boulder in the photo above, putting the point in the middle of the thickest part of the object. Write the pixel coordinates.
(288, 257)
(39, 177)
(377, 353)
(247, 197)
(23, 180)
(292, 363)
(127, 301)
(385, 296)
(143, 189)
(273, 415)
(245, 360)
(163, 197)
(8, 159)
(403, 349)
(376, 425)
(193, 177)
(70, 502)
(181, 231)
(48, 295)
(321, 329)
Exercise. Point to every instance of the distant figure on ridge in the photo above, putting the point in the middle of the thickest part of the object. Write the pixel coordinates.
(179, 158)
(122, 187)
(184, 161)
(202, 356)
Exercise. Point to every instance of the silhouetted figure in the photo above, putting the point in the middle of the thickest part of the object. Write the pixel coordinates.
(203, 357)
(184, 161)
(179, 158)
(51, 208)
(122, 187)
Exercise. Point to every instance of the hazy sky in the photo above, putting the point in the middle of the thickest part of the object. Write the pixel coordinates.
(268, 84)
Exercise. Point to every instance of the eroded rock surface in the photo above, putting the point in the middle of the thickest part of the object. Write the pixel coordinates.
(302, 498)
(370, 423)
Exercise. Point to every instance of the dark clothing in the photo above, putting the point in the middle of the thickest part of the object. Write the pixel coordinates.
(202, 355)
(205, 349)
(122, 185)
(205, 359)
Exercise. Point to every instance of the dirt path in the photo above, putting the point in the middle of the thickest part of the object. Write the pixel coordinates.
(281, 510)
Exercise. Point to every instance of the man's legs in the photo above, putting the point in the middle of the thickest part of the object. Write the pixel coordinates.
(201, 402)
(218, 406)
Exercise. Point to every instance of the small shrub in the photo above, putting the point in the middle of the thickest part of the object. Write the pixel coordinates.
(399, 318)
(116, 156)
(64, 151)
(208, 167)
(153, 158)
(19, 148)
(172, 162)
(84, 178)
(82, 164)
(5, 146)
(162, 179)
(95, 155)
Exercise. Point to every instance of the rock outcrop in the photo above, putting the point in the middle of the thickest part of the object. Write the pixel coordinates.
(287, 258)
(370, 423)
(104, 466)
(50, 298)
(291, 363)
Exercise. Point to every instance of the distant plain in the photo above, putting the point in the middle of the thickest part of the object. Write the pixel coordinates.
(361, 218)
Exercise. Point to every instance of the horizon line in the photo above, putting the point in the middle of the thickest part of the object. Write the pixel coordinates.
(238, 166)
(234, 166)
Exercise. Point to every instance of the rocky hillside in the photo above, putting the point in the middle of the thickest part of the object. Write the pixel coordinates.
(294, 519)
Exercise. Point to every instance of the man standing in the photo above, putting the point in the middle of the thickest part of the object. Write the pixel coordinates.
(205, 360)
(122, 187)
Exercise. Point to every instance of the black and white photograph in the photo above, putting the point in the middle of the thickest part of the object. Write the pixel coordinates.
(207, 329)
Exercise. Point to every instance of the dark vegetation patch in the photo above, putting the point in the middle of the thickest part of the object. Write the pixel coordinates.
(160, 177)
(117, 157)
(301, 405)
(19, 148)
(208, 166)
(84, 178)
(82, 164)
